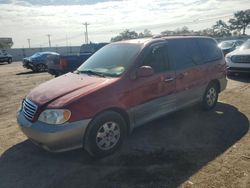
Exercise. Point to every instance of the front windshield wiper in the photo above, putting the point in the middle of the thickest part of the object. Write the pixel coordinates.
(90, 72)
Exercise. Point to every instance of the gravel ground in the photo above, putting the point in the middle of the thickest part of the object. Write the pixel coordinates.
(189, 148)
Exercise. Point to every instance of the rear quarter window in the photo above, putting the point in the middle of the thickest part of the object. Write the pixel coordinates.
(209, 49)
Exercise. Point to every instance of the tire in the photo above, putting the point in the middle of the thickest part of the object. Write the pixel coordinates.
(41, 68)
(105, 134)
(9, 60)
(210, 97)
(34, 69)
(57, 74)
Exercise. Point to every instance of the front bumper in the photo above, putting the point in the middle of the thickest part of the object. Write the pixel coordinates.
(4, 59)
(56, 138)
(27, 64)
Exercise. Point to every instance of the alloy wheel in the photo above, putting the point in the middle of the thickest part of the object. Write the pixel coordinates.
(41, 68)
(108, 135)
(211, 96)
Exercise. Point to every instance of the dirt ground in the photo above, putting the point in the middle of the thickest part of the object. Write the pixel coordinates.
(190, 148)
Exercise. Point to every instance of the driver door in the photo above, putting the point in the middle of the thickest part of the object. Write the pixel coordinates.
(154, 95)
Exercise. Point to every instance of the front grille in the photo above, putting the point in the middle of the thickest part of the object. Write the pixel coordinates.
(238, 69)
(241, 58)
(29, 109)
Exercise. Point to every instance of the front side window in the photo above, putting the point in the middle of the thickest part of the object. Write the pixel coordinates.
(111, 60)
(156, 58)
(35, 55)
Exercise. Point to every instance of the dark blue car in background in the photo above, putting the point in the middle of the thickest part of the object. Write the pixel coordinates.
(38, 61)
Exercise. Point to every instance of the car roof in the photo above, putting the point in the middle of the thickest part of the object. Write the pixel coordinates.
(46, 53)
(49, 52)
(235, 40)
(228, 41)
(145, 41)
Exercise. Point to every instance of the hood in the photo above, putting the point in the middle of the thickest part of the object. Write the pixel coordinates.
(228, 48)
(63, 85)
(239, 52)
(28, 59)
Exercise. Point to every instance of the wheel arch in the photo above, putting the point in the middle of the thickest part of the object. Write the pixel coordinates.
(120, 111)
(217, 83)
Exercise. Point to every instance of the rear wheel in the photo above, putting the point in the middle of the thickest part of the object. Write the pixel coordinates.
(41, 68)
(210, 97)
(105, 134)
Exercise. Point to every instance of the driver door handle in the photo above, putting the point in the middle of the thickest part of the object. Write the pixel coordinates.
(169, 79)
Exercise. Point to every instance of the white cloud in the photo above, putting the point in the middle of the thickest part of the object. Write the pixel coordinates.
(29, 19)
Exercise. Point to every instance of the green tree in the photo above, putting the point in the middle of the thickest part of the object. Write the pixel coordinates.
(6, 43)
(240, 21)
(204, 32)
(183, 31)
(125, 35)
(167, 32)
(179, 31)
(221, 29)
(146, 33)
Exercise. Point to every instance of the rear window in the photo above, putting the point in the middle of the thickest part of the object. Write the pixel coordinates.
(185, 53)
(209, 49)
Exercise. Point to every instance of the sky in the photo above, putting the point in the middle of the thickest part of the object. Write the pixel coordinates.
(63, 19)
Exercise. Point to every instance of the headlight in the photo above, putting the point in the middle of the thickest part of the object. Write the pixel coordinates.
(55, 116)
(20, 106)
(228, 59)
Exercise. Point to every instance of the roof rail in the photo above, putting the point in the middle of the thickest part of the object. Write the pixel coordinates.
(166, 35)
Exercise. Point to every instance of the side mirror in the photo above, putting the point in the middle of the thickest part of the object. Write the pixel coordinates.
(145, 71)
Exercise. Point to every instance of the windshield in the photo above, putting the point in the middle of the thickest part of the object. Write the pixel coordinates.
(246, 45)
(111, 60)
(35, 55)
(226, 44)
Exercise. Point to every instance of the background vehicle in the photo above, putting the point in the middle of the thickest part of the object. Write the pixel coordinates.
(229, 45)
(238, 61)
(61, 64)
(5, 57)
(37, 62)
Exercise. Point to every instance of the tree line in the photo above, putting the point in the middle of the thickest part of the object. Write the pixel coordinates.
(236, 26)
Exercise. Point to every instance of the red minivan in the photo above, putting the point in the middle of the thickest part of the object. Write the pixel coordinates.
(120, 87)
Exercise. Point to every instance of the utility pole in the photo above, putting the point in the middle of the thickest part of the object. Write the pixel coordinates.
(86, 32)
(28, 42)
(49, 40)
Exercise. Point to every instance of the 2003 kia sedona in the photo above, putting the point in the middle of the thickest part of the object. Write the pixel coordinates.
(122, 86)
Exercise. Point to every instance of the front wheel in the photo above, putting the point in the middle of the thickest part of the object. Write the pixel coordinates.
(210, 97)
(9, 60)
(105, 134)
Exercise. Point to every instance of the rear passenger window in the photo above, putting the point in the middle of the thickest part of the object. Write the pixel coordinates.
(184, 53)
(210, 50)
